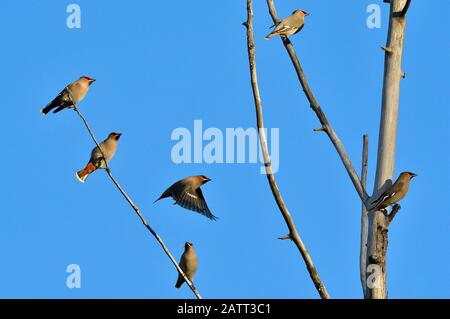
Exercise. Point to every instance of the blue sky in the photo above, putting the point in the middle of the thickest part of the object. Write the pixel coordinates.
(161, 65)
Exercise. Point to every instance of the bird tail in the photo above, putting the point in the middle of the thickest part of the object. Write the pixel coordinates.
(56, 103)
(377, 202)
(270, 35)
(81, 175)
(60, 108)
(164, 195)
(180, 281)
(48, 108)
(160, 197)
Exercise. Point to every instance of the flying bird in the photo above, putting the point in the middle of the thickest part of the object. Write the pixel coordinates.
(187, 194)
(109, 147)
(78, 89)
(395, 193)
(289, 26)
(188, 263)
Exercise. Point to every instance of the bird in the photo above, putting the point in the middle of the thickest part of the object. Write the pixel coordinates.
(78, 90)
(188, 263)
(395, 193)
(109, 147)
(187, 194)
(290, 25)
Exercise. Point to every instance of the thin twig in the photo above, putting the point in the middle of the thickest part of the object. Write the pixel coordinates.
(320, 114)
(136, 209)
(273, 185)
(363, 241)
(75, 108)
(286, 237)
(387, 50)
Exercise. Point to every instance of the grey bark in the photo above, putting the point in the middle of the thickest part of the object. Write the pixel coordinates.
(363, 243)
(293, 233)
(378, 222)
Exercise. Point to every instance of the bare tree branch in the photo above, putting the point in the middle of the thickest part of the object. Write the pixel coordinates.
(273, 185)
(363, 244)
(378, 223)
(136, 209)
(326, 126)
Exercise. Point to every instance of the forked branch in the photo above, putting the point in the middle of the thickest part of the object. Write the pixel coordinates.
(272, 182)
(326, 126)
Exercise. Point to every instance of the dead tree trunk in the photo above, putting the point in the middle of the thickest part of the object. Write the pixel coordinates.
(379, 223)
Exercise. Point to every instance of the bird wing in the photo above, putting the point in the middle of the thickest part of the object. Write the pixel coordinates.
(61, 101)
(97, 156)
(299, 29)
(283, 27)
(194, 200)
(204, 206)
(182, 264)
(392, 192)
(382, 198)
(398, 186)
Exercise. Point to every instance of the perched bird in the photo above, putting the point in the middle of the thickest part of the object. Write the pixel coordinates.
(395, 193)
(188, 263)
(109, 147)
(289, 26)
(79, 88)
(187, 194)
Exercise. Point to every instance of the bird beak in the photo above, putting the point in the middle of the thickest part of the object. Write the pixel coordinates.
(92, 81)
(413, 175)
(208, 180)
